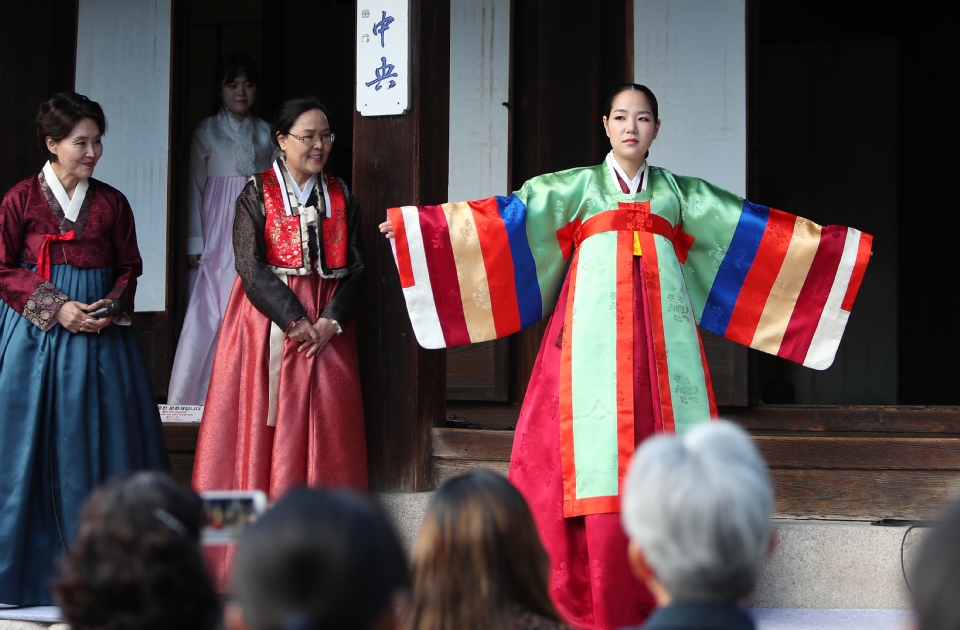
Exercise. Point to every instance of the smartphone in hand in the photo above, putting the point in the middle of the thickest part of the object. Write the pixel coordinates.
(227, 512)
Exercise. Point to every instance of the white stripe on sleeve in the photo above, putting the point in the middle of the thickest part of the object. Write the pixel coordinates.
(419, 297)
(833, 319)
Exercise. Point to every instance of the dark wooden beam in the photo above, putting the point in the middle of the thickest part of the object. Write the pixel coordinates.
(400, 160)
(474, 444)
(814, 476)
(877, 419)
(864, 495)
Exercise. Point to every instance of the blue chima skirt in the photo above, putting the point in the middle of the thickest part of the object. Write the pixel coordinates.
(75, 409)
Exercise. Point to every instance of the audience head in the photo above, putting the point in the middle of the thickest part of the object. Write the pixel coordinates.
(317, 560)
(697, 510)
(936, 576)
(478, 558)
(136, 563)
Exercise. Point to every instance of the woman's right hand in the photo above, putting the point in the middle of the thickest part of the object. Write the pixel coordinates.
(71, 315)
(387, 228)
(193, 261)
(302, 332)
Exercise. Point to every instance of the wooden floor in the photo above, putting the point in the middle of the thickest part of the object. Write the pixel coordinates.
(860, 463)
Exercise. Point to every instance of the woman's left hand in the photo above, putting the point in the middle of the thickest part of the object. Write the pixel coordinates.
(91, 325)
(326, 329)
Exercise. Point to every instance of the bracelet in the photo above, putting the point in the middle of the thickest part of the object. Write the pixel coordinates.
(292, 324)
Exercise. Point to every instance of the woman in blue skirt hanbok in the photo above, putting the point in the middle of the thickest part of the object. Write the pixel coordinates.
(76, 405)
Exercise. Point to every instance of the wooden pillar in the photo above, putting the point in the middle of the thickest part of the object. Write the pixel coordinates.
(402, 160)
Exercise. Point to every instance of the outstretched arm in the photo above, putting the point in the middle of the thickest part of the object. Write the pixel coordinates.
(767, 279)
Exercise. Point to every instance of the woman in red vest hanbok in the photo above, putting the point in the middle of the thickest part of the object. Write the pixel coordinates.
(283, 408)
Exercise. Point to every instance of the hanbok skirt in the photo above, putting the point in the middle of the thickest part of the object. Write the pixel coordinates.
(590, 578)
(75, 409)
(209, 287)
(319, 438)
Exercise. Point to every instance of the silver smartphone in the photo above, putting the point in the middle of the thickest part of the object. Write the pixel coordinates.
(227, 512)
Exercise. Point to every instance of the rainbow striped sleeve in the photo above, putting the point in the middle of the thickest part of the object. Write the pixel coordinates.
(469, 270)
(767, 279)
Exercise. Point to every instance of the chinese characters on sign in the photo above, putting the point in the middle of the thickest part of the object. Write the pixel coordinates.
(383, 33)
(384, 72)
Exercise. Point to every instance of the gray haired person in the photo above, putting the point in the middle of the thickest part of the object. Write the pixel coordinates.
(697, 510)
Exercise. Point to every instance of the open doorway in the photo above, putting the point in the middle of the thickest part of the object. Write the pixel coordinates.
(282, 38)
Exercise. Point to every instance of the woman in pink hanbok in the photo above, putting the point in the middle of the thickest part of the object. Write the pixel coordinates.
(227, 148)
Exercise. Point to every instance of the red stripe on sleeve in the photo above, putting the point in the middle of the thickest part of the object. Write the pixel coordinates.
(443, 275)
(495, 246)
(759, 281)
(403, 248)
(863, 257)
(813, 296)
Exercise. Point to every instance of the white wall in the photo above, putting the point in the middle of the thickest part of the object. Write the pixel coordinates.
(692, 54)
(479, 85)
(123, 63)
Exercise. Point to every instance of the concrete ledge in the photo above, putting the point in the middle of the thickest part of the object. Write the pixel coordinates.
(816, 564)
(405, 510)
(836, 564)
(31, 618)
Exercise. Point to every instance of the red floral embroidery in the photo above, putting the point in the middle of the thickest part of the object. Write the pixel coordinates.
(334, 229)
(281, 232)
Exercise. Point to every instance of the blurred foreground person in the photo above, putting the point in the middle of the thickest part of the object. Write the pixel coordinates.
(479, 563)
(136, 563)
(317, 560)
(76, 402)
(697, 510)
(936, 576)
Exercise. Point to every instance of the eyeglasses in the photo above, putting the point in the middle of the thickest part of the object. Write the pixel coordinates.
(324, 138)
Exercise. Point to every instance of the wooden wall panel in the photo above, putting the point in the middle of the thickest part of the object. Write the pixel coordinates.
(402, 160)
(38, 43)
(558, 95)
(181, 442)
(728, 369)
(479, 371)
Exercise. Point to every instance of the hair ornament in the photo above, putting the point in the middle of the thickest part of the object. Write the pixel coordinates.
(171, 521)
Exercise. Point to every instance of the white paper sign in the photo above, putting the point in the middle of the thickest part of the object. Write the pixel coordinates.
(180, 413)
(383, 57)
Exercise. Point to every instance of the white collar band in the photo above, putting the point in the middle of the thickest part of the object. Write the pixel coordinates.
(639, 181)
(70, 206)
(304, 195)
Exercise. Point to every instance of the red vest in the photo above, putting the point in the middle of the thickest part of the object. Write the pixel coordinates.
(286, 238)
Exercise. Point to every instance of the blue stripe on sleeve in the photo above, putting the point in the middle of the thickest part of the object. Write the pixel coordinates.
(514, 214)
(733, 270)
